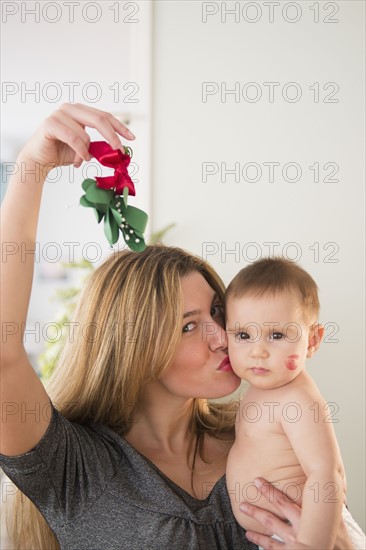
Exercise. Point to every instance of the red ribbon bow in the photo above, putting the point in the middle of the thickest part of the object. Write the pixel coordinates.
(107, 156)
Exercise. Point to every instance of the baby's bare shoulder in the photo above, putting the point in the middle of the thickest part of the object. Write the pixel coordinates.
(302, 388)
(302, 392)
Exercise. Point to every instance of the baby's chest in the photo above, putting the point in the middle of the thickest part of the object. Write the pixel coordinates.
(262, 449)
(259, 420)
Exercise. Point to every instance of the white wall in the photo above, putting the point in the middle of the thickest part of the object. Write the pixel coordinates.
(217, 216)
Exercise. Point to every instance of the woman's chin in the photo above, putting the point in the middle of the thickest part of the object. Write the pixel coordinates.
(225, 388)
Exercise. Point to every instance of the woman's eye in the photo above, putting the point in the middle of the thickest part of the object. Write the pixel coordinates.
(217, 310)
(189, 327)
(276, 336)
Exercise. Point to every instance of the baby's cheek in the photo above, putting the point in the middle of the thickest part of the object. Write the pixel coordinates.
(290, 364)
(236, 361)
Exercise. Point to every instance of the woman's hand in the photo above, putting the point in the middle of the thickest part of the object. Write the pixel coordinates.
(61, 139)
(286, 529)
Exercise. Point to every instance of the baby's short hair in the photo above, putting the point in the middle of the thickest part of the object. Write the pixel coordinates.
(272, 275)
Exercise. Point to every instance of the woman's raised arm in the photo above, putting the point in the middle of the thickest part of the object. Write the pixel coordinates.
(59, 141)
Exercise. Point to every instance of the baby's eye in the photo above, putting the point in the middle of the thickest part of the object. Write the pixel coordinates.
(276, 336)
(239, 336)
(189, 327)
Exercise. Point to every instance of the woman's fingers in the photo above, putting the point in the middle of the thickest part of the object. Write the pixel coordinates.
(284, 524)
(265, 542)
(121, 129)
(288, 509)
(62, 138)
(77, 161)
(65, 130)
(273, 525)
(102, 121)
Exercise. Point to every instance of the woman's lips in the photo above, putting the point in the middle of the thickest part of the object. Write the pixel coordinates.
(225, 365)
(259, 370)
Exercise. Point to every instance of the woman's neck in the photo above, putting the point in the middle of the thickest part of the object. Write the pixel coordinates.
(162, 422)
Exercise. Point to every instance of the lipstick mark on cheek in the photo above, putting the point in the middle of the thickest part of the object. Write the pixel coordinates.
(290, 362)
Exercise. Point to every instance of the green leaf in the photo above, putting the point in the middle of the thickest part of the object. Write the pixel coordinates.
(111, 229)
(99, 215)
(84, 202)
(130, 240)
(136, 218)
(103, 208)
(118, 204)
(136, 247)
(87, 183)
(100, 196)
(117, 216)
(125, 195)
(138, 234)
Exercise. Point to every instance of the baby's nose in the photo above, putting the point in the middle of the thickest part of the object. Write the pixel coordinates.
(259, 350)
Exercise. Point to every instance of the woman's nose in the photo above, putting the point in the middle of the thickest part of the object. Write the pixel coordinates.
(216, 336)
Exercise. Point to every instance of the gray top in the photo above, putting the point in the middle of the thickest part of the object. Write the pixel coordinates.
(98, 492)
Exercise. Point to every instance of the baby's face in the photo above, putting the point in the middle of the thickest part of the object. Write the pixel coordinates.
(268, 338)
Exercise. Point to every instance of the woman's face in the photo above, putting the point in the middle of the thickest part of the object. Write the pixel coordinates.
(201, 366)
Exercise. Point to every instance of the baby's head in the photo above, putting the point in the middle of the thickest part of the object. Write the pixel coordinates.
(272, 309)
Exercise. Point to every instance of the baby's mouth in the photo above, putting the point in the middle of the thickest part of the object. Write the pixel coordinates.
(259, 370)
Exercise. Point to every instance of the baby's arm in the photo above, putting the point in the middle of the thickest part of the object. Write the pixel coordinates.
(314, 442)
(287, 528)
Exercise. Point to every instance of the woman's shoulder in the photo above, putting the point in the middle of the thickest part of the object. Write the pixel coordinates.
(66, 439)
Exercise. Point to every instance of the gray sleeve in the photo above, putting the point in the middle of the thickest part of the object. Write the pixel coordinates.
(67, 471)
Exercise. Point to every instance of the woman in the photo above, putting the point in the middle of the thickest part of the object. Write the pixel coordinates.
(136, 459)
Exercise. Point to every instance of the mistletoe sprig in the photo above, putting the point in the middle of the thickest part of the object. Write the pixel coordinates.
(108, 196)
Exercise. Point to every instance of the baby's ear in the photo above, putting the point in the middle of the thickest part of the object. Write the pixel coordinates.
(316, 335)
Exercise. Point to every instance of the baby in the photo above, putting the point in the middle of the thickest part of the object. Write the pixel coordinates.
(284, 430)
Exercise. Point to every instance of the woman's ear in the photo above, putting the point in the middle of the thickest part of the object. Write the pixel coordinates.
(316, 335)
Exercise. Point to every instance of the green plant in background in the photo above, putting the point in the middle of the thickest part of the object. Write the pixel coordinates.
(68, 297)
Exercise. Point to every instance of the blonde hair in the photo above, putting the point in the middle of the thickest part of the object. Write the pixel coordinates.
(118, 346)
(272, 275)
